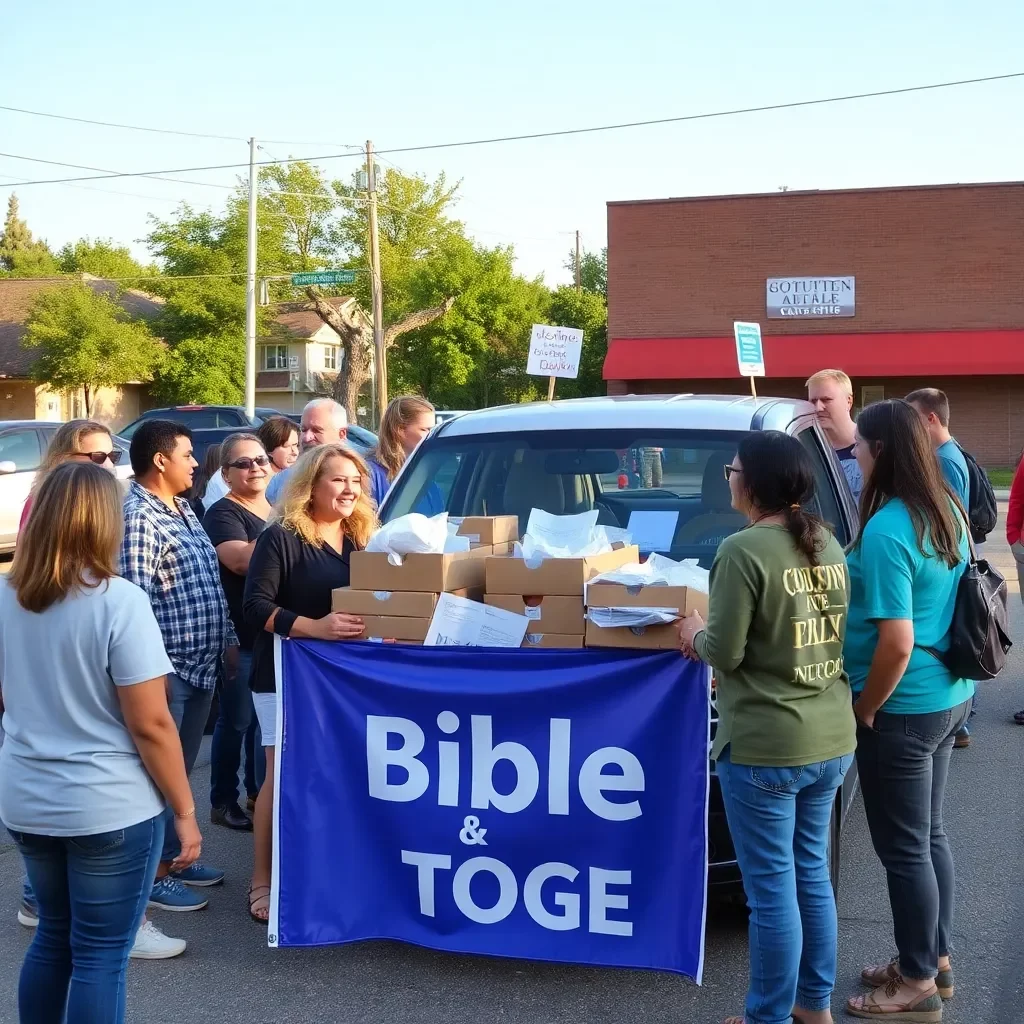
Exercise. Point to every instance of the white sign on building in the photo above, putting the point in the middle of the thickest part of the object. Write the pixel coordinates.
(820, 297)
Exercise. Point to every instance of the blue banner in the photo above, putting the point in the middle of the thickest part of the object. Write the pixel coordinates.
(541, 804)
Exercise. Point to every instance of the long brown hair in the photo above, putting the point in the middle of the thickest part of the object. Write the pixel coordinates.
(66, 441)
(294, 508)
(906, 468)
(400, 413)
(71, 540)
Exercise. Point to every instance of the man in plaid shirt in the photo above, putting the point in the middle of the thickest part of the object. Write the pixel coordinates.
(167, 553)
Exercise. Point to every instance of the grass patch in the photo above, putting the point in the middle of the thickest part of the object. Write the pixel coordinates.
(1000, 476)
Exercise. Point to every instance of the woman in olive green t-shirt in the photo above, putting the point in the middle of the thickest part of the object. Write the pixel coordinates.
(786, 732)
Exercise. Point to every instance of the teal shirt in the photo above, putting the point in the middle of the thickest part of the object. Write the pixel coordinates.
(954, 469)
(891, 579)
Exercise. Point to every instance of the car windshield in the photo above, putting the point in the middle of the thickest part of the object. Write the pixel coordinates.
(669, 489)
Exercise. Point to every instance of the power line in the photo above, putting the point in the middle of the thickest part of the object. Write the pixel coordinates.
(130, 127)
(794, 105)
(155, 175)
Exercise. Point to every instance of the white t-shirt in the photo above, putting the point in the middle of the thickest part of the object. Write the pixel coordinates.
(68, 765)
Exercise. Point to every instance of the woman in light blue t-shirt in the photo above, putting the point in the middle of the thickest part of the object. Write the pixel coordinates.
(90, 752)
(905, 567)
(406, 421)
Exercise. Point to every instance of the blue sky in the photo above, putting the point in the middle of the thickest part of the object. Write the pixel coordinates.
(409, 74)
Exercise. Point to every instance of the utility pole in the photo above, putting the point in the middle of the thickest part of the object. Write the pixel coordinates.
(250, 290)
(379, 356)
(579, 285)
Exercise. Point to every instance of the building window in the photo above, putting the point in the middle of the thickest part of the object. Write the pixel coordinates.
(330, 357)
(275, 357)
(871, 393)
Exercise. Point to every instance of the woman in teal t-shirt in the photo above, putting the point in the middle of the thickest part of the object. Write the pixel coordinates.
(905, 567)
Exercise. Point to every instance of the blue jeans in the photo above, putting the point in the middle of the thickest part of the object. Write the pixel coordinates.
(778, 818)
(91, 892)
(230, 733)
(190, 709)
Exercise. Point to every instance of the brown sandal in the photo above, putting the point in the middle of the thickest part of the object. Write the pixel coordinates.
(254, 900)
(881, 974)
(880, 1004)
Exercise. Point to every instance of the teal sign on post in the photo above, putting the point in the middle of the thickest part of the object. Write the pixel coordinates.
(749, 350)
(324, 277)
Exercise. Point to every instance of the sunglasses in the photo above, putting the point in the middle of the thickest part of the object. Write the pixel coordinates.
(247, 463)
(729, 470)
(100, 457)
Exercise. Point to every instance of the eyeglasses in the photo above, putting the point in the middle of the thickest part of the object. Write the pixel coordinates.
(247, 463)
(100, 457)
(729, 470)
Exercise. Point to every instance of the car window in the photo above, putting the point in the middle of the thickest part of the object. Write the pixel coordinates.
(21, 447)
(670, 486)
(826, 501)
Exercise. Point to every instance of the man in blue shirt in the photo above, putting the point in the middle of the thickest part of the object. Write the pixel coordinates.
(932, 406)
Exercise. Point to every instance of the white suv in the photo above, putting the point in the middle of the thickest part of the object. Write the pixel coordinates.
(637, 453)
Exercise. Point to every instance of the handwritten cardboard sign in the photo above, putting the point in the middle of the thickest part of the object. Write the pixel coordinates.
(555, 351)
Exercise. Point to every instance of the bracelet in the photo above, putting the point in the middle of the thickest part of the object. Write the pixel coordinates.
(188, 814)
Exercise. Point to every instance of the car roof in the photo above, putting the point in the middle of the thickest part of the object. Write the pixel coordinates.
(645, 412)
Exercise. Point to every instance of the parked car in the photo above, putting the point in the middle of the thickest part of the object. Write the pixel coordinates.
(200, 416)
(22, 446)
(621, 456)
(443, 415)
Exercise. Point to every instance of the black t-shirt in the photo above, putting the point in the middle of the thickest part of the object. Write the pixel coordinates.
(227, 520)
(297, 579)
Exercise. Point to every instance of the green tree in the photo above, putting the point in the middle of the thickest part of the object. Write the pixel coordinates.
(588, 311)
(593, 270)
(86, 340)
(20, 254)
(101, 258)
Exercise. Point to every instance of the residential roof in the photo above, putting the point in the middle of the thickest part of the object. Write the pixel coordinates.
(299, 320)
(17, 296)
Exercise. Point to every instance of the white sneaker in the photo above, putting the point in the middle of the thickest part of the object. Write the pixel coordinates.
(152, 944)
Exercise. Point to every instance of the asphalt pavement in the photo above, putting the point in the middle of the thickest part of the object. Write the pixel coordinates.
(229, 975)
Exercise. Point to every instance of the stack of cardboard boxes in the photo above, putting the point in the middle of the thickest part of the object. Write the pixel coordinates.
(551, 595)
(396, 602)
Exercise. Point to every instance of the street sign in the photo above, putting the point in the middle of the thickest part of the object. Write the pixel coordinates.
(323, 277)
(293, 362)
(749, 350)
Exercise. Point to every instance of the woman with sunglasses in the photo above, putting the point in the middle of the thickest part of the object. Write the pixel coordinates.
(75, 441)
(786, 732)
(233, 524)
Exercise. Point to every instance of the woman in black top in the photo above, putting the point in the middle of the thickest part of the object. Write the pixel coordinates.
(233, 524)
(323, 516)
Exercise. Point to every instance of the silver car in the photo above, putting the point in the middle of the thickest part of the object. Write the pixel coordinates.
(623, 456)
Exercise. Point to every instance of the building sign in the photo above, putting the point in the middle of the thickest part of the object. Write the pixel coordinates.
(809, 296)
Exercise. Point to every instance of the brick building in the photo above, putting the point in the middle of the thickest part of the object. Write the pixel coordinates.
(900, 287)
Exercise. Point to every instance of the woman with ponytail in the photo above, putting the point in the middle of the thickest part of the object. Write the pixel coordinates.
(786, 731)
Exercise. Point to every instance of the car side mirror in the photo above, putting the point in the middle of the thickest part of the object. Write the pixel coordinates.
(7, 467)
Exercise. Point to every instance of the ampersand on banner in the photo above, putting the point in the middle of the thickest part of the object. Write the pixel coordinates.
(472, 834)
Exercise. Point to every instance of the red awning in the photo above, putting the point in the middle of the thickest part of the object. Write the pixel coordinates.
(904, 354)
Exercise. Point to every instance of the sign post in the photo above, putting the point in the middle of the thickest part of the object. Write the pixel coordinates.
(323, 277)
(554, 352)
(749, 351)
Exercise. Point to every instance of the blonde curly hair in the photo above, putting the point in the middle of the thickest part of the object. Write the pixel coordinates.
(294, 508)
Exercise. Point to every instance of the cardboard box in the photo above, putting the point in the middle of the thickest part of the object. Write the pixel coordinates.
(553, 640)
(426, 574)
(562, 615)
(404, 604)
(663, 637)
(618, 595)
(489, 529)
(565, 577)
(394, 627)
